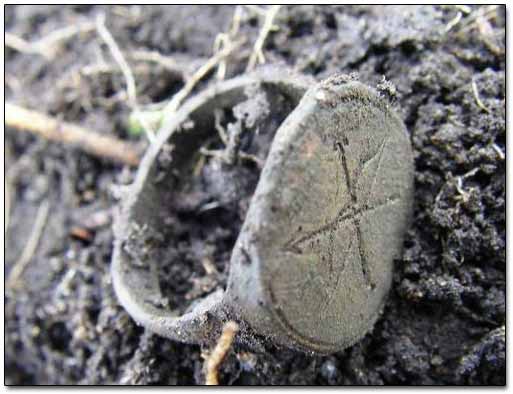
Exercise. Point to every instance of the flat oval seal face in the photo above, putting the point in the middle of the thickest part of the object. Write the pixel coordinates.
(329, 215)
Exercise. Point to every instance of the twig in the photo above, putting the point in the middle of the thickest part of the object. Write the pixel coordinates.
(476, 97)
(257, 54)
(217, 356)
(20, 265)
(178, 98)
(50, 128)
(127, 73)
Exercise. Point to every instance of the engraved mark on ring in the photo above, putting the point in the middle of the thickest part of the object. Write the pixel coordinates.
(353, 214)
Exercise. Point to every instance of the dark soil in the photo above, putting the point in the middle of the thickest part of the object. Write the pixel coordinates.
(444, 320)
(208, 206)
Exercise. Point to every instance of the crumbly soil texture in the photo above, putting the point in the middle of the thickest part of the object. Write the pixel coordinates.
(444, 320)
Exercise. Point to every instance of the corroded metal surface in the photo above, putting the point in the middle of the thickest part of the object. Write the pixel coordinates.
(313, 263)
(328, 217)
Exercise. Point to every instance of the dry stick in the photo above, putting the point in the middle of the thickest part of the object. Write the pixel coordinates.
(178, 98)
(20, 265)
(217, 356)
(50, 128)
(127, 73)
(257, 54)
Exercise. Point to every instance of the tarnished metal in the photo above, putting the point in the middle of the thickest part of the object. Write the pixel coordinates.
(313, 262)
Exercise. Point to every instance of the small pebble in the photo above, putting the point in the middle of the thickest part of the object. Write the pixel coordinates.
(329, 370)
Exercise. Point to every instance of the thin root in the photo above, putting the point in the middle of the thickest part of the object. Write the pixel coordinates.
(476, 97)
(499, 151)
(216, 357)
(249, 157)
(225, 39)
(7, 206)
(118, 57)
(50, 44)
(212, 153)
(127, 73)
(486, 32)
(453, 22)
(156, 57)
(180, 96)
(218, 114)
(221, 155)
(258, 10)
(470, 22)
(20, 265)
(463, 8)
(11, 179)
(257, 55)
(229, 154)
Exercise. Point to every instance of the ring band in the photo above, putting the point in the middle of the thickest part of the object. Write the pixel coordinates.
(314, 259)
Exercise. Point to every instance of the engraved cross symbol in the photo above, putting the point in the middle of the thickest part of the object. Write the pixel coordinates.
(351, 213)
